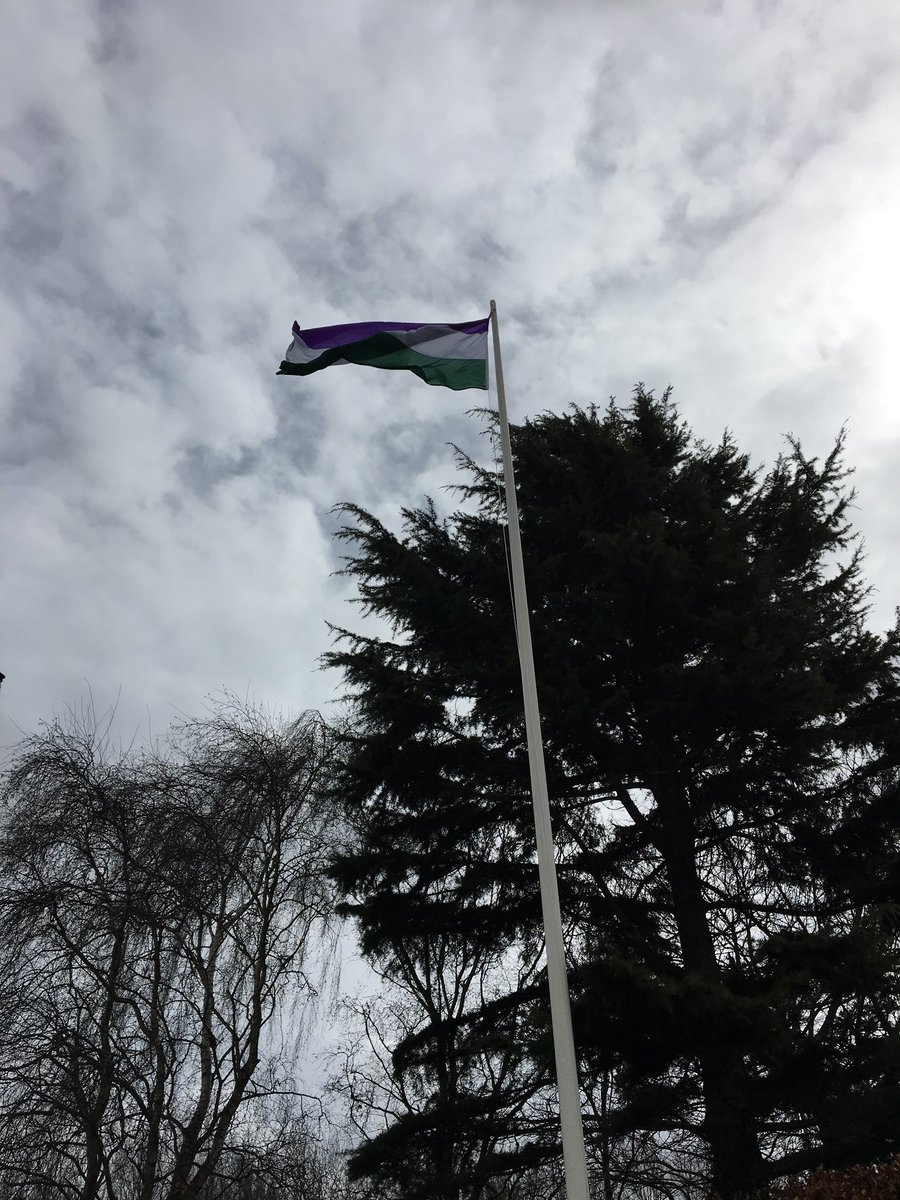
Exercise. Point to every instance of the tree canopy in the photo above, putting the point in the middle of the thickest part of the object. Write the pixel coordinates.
(160, 910)
(720, 726)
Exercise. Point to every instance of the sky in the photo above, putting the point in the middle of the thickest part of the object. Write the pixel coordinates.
(702, 194)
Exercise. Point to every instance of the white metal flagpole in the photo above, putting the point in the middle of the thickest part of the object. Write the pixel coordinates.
(560, 1012)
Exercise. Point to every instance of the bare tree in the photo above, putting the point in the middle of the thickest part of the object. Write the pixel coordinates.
(165, 917)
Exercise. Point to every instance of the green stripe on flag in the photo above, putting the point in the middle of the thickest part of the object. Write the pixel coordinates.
(388, 353)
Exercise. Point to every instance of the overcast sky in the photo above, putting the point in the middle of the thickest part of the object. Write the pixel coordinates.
(695, 193)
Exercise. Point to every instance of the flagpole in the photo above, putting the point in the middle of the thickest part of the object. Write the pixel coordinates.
(560, 1011)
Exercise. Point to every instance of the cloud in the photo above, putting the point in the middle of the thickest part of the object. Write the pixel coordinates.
(697, 194)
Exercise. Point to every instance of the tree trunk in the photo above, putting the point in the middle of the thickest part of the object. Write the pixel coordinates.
(728, 1127)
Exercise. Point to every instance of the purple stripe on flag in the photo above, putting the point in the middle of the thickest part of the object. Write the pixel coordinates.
(327, 336)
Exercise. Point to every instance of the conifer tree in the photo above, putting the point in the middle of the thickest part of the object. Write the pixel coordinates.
(720, 729)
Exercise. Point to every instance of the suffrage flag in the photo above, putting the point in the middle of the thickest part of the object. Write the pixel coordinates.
(453, 356)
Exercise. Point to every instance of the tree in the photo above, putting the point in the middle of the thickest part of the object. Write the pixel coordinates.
(159, 917)
(719, 722)
(424, 1088)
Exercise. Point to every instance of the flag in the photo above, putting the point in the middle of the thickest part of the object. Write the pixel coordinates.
(453, 356)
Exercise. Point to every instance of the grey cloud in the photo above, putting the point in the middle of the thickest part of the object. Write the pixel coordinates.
(200, 469)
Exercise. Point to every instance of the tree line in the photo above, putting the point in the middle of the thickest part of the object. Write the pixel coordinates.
(721, 727)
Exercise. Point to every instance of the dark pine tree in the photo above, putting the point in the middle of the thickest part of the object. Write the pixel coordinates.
(721, 736)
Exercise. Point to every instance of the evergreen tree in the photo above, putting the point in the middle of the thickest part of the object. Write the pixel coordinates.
(719, 726)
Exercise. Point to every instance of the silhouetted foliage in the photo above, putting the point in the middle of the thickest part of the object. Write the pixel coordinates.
(721, 734)
(159, 912)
